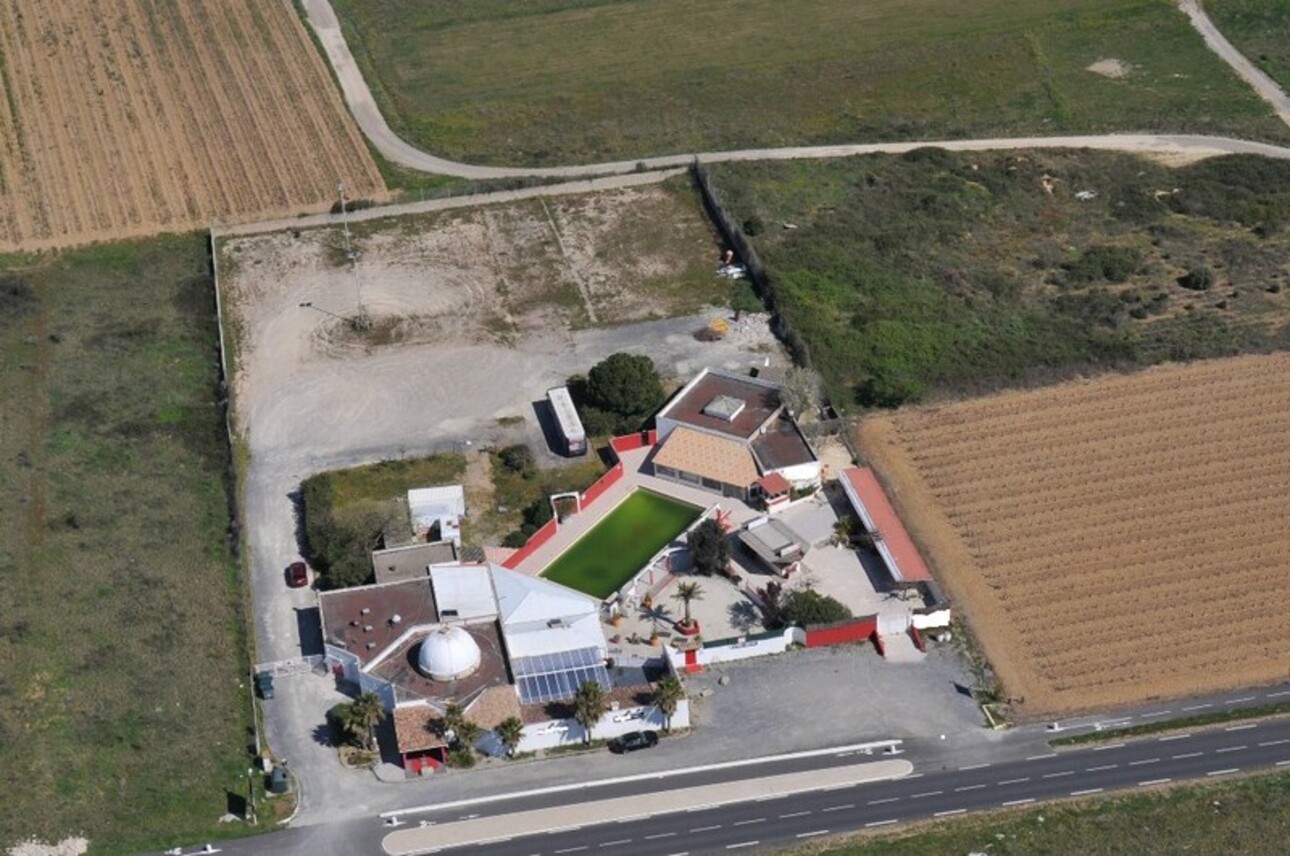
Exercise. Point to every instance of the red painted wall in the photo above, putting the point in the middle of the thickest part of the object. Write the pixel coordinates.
(602, 484)
(630, 442)
(841, 634)
(537, 539)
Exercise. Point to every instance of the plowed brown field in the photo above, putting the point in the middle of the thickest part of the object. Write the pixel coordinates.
(139, 116)
(1111, 540)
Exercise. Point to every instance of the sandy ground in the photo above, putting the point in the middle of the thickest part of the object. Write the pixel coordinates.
(1111, 541)
(131, 118)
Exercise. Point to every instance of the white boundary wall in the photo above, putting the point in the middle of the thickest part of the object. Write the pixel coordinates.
(567, 732)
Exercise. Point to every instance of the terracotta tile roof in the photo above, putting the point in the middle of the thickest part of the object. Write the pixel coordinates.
(774, 484)
(899, 546)
(717, 458)
(493, 706)
(413, 728)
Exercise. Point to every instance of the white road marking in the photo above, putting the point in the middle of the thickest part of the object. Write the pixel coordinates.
(1155, 713)
(1278, 694)
(1058, 775)
(794, 814)
(1143, 761)
(750, 822)
(659, 835)
(884, 800)
(974, 767)
(879, 823)
(969, 788)
(1275, 742)
(1282, 763)
(812, 834)
(1019, 802)
(1108, 746)
(1148, 784)
(705, 828)
(571, 849)
(1246, 727)
(1014, 781)
(1223, 772)
(1042, 757)
(1230, 749)
(1174, 737)
(950, 812)
(926, 794)
(1086, 792)
(617, 843)
(742, 844)
(1240, 700)
(1187, 755)
(1198, 706)
(1103, 767)
(838, 807)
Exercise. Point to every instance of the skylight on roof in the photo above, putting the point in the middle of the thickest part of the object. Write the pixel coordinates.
(725, 407)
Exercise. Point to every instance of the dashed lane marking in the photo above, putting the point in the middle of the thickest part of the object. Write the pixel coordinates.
(974, 767)
(884, 800)
(969, 788)
(1198, 706)
(617, 843)
(794, 814)
(1151, 782)
(1226, 772)
(751, 822)
(658, 835)
(1015, 781)
(1186, 755)
(926, 794)
(950, 812)
(571, 849)
(1142, 761)
(812, 833)
(1058, 775)
(1174, 737)
(879, 823)
(1101, 768)
(1245, 727)
(1230, 749)
(1241, 700)
(1275, 742)
(705, 828)
(1086, 792)
(838, 807)
(1019, 802)
(1278, 694)
(742, 844)
(1042, 757)
(1108, 746)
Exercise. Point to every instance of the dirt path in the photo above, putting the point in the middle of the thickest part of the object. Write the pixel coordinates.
(1265, 86)
(363, 106)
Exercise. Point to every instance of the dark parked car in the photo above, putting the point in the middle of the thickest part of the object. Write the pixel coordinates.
(264, 685)
(297, 575)
(633, 740)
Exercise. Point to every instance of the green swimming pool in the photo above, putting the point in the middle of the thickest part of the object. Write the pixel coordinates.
(603, 560)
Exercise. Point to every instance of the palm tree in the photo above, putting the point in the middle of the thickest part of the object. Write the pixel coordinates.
(361, 716)
(686, 592)
(589, 704)
(510, 731)
(667, 696)
(465, 731)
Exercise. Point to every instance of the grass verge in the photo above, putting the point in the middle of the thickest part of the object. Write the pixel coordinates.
(910, 275)
(1258, 29)
(123, 711)
(1201, 719)
(1250, 815)
(553, 82)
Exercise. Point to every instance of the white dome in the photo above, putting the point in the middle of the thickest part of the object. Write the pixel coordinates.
(448, 654)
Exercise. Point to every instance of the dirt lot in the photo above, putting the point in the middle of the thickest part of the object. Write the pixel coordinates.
(1112, 540)
(131, 118)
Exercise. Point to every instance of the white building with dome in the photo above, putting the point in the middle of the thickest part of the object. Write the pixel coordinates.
(494, 641)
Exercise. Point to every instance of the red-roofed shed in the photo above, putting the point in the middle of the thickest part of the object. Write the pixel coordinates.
(898, 552)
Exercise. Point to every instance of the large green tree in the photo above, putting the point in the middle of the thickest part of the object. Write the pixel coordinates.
(625, 384)
(361, 716)
(807, 606)
(709, 548)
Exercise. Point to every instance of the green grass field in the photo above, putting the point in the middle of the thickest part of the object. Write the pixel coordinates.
(1245, 816)
(122, 712)
(1260, 29)
(935, 273)
(549, 82)
(606, 557)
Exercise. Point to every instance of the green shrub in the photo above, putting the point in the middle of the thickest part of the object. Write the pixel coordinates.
(519, 459)
(1198, 278)
(1113, 264)
(807, 606)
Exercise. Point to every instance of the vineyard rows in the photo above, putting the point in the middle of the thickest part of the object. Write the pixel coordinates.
(135, 117)
(1110, 540)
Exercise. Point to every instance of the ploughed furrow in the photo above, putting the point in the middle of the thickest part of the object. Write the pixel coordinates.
(1112, 539)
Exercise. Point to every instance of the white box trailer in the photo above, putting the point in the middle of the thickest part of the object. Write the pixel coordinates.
(572, 434)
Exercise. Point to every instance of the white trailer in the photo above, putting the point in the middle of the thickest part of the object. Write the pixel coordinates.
(572, 434)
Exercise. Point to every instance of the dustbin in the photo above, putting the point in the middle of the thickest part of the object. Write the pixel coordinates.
(278, 781)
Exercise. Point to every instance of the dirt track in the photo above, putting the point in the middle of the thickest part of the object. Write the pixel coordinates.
(130, 118)
(1112, 541)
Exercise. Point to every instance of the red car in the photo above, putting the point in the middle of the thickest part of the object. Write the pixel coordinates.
(297, 575)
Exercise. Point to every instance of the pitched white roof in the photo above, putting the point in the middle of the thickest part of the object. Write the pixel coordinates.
(542, 617)
(465, 589)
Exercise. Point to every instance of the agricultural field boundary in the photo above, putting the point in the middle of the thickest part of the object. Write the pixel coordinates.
(358, 96)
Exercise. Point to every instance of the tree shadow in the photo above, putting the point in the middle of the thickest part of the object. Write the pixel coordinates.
(324, 734)
(659, 613)
(744, 616)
